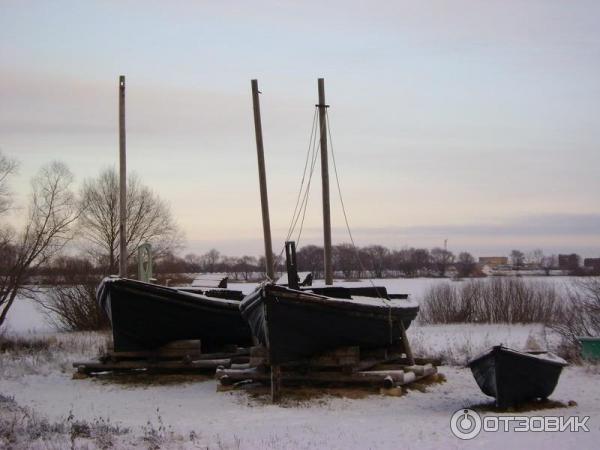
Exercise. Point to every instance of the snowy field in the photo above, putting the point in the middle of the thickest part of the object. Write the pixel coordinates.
(190, 413)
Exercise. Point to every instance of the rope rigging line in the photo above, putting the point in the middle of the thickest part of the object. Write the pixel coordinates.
(357, 253)
(310, 143)
(339, 189)
(316, 152)
(301, 205)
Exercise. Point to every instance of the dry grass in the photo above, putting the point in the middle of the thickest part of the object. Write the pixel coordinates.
(30, 354)
(22, 428)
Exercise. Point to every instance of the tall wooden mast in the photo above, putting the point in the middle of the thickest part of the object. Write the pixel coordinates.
(264, 199)
(325, 183)
(122, 182)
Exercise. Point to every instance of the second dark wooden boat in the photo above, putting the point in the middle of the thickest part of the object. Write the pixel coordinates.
(513, 377)
(146, 316)
(295, 324)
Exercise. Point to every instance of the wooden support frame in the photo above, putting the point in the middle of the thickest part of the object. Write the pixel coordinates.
(175, 358)
(386, 368)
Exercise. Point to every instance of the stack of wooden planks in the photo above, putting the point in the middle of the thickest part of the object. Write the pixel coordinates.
(176, 357)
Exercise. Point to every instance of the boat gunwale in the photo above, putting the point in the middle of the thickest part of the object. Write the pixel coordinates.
(495, 350)
(307, 298)
(158, 291)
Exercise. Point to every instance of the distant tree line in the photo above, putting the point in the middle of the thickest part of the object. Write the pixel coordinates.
(373, 261)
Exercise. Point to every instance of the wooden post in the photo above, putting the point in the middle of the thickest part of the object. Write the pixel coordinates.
(291, 265)
(122, 182)
(275, 383)
(406, 345)
(325, 184)
(264, 199)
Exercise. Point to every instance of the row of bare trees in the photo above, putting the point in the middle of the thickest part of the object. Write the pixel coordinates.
(350, 262)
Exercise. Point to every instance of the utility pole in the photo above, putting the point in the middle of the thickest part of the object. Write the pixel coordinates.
(122, 182)
(264, 199)
(325, 183)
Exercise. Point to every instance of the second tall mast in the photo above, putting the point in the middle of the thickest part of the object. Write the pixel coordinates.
(325, 183)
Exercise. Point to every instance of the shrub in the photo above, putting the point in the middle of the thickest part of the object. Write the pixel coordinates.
(74, 307)
(581, 316)
(497, 300)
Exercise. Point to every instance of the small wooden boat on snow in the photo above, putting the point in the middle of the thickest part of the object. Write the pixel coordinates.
(512, 377)
(295, 324)
(146, 316)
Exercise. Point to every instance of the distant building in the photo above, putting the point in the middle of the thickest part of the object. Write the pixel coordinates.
(493, 261)
(593, 264)
(568, 262)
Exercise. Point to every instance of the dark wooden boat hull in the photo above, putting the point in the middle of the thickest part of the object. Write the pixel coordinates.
(513, 377)
(146, 316)
(295, 325)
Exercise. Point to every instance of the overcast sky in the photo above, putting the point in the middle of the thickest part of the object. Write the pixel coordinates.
(475, 121)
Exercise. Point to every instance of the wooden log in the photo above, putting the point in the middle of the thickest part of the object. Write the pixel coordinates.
(174, 354)
(210, 364)
(239, 366)
(409, 377)
(424, 370)
(364, 378)
(419, 361)
(373, 363)
(162, 355)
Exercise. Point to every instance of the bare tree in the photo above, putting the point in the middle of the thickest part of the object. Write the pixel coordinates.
(149, 218)
(517, 258)
(535, 257)
(193, 262)
(548, 263)
(377, 259)
(48, 228)
(344, 259)
(466, 264)
(310, 257)
(441, 260)
(211, 259)
(246, 265)
(8, 167)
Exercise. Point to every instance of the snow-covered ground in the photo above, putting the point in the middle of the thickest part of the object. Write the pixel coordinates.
(195, 415)
(192, 414)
